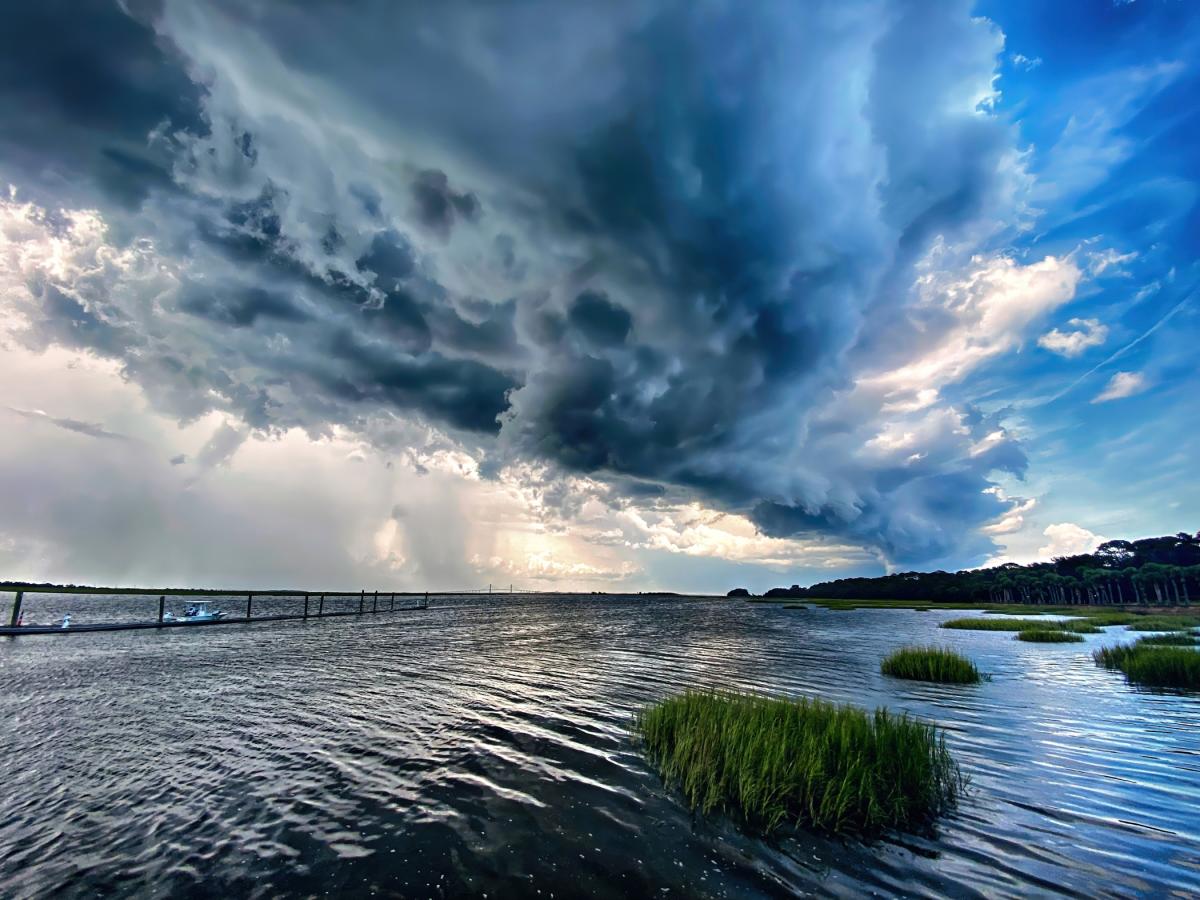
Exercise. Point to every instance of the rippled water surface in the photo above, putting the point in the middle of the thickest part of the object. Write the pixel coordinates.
(482, 746)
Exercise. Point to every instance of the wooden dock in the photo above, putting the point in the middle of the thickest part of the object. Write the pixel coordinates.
(314, 608)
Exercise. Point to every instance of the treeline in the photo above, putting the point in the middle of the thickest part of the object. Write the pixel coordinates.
(1158, 571)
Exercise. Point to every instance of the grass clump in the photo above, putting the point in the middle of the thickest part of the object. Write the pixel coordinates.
(939, 664)
(770, 761)
(1049, 636)
(1153, 665)
(1077, 626)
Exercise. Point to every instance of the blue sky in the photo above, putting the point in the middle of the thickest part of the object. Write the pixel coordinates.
(1105, 96)
(743, 294)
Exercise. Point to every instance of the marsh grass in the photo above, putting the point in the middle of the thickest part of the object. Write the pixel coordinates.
(1173, 639)
(940, 664)
(1153, 665)
(1100, 615)
(1049, 636)
(770, 761)
(1077, 626)
(1111, 618)
(1162, 623)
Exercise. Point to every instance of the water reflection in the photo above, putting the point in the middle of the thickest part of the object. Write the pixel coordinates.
(482, 746)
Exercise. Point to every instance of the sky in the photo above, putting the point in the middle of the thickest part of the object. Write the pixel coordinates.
(635, 295)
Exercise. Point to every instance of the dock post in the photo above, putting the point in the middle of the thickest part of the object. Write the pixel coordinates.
(306, 606)
(375, 602)
(426, 603)
(162, 607)
(16, 611)
(321, 606)
(393, 604)
(362, 599)
(249, 604)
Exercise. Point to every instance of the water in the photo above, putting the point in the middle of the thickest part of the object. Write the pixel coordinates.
(482, 747)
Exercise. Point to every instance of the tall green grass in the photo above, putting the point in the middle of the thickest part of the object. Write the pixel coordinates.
(1078, 626)
(939, 664)
(1151, 664)
(770, 761)
(1049, 636)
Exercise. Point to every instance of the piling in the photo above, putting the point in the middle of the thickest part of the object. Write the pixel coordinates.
(306, 606)
(321, 606)
(162, 608)
(393, 604)
(362, 599)
(16, 610)
(249, 604)
(375, 603)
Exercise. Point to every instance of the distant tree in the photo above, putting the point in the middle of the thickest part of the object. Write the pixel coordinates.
(1116, 554)
(1160, 570)
(738, 592)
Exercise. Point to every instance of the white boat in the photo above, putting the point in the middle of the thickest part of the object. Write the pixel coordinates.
(200, 611)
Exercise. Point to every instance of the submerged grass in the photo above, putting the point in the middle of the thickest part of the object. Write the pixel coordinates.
(1077, 626)
(1049, 636)
(939, 664)
(1153, 665)
(770, 761)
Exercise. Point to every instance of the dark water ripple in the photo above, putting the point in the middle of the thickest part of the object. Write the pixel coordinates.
(483, 746)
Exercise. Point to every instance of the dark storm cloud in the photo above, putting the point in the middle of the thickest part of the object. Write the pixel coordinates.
(390, 259)
(240, 309)
(643, 240)
(69, 320)
(83, 86)
(439, 206)
(598, 319)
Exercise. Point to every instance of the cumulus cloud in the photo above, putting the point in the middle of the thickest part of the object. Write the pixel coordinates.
(1080, 334)
(711, 260)
(1068, 539)
(1121, 385)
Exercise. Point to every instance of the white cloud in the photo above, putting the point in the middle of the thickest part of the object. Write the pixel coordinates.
(1083, 333)
(1121, 385)
(1013, 520)
(978, 313)
(1021, 61)
(1068, 539)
